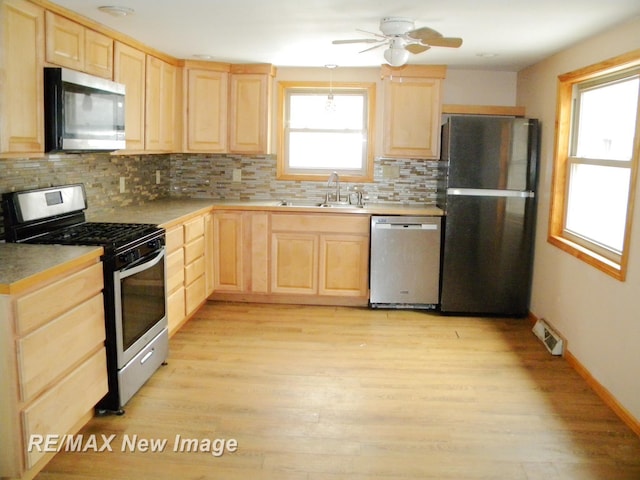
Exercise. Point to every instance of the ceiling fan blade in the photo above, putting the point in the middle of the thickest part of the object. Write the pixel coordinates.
(375, 34)
(373, 48)
(417, 48)
(356, 40)
(424, 34)
(452, 42)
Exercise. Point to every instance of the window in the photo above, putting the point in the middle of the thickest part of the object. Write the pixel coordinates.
(325, 128)
(595, 163)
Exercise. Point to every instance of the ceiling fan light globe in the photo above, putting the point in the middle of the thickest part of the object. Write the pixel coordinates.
(396, 57)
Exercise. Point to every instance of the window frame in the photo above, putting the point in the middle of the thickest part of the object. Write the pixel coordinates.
(613, 265)
(282, 170)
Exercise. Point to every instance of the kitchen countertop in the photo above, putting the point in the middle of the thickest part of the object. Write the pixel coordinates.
(166, 212)
(22, 265)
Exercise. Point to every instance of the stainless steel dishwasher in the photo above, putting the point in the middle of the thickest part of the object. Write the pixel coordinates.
(405, 262)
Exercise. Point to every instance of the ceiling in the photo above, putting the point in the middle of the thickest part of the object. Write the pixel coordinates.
(498, 34)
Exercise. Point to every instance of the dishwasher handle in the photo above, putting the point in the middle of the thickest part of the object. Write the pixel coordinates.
(405, 226)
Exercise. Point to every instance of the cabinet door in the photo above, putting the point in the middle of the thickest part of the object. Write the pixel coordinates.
(65, 42)
(248, 120)
(228, 258)
(344, 268)
(98, 55)
(294, 263)
(411, 117)
(160, 105)
(258, 223)
(207, 93)
(208, 253)
(21, 97)
(129, 69)
(176, 309)
(168, 107)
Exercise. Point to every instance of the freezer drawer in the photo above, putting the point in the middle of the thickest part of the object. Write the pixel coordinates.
(405, 262)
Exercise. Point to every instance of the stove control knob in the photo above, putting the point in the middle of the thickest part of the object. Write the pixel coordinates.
(153, 244)
(127, 257)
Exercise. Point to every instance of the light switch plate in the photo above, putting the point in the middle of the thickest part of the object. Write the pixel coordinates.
(390, 171)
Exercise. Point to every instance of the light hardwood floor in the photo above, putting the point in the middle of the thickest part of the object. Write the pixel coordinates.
(345, 393)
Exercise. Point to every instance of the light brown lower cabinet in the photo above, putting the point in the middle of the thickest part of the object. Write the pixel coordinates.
(320, 254)
(240, 252)
(188, 264)
(52, 363)
(344, 264)
(294, 263)
(291, 257)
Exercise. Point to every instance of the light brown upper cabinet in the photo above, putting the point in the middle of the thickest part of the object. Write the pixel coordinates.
(129, 69)
(227, 107)
(160, 114)
(250, 108)
(98, 54)
(21, 95)
(412, 110)
(71, 45)
(206, 92)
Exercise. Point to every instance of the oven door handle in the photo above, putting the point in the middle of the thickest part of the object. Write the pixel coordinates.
(143, 264)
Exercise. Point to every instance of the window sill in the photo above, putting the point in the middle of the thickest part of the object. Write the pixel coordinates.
(322, 177)
(603, 264)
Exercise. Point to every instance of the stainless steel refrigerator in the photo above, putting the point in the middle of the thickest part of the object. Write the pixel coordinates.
(489, 196)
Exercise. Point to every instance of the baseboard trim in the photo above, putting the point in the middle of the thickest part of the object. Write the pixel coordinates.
(607, 397)
(603, 393)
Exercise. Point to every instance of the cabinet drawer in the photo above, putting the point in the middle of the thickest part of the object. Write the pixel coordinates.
(60, 408)
(52, 349)
(321, 222)
(37, 308)
(193, 229)
(193, 250)
(175, 270)
(176, 309)
(174, 239)
(195, 294)
(194, 270)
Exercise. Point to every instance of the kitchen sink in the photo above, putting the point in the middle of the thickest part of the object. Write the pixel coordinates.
(303, 203)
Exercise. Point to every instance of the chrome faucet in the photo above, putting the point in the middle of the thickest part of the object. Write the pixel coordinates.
(334, 177)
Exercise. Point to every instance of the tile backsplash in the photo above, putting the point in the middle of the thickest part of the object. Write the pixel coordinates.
(212, 176)
(99, 172)
(204, 176)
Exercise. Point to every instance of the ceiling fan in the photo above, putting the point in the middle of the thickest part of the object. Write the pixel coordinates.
(401, 38)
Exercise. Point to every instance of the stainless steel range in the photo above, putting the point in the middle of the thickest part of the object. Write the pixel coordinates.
(137, 340)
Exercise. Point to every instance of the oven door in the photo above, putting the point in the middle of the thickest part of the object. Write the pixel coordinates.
(140, 304)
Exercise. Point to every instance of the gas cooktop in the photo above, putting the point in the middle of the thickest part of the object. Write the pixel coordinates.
(95, 233)
(55, 215)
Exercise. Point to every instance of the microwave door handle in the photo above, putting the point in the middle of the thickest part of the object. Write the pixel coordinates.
(142, 264)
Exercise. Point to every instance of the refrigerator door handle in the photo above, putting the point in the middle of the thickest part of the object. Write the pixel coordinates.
(486, 192)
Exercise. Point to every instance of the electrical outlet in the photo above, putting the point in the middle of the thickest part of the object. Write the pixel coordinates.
(157, 177)
(237, 175)
(122, 185)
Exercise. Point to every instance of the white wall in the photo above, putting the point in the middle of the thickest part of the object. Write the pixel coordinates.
(466, 87)
(598, 315)
(480, 87)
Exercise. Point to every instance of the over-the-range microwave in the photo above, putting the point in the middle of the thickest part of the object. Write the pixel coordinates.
(82, 112)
